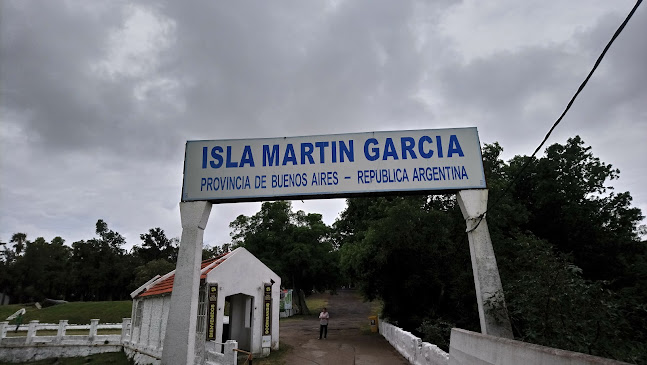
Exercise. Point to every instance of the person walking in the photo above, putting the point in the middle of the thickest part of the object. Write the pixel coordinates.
(324, 316)
(18, 320)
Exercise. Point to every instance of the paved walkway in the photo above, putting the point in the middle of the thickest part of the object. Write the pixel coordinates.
(349, 338)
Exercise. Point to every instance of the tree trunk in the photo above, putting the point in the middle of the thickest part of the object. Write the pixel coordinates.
(301, 302)
(301, 298)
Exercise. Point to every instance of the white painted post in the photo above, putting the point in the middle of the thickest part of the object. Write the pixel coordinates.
(231, 356)
(3, 329)
(494, 322)
(125, 329)
(93, 327)
(179, 341)
(31, 331)
(62, 327)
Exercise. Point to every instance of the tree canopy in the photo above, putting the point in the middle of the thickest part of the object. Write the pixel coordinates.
(573, 268)
(295, 245)
(98, 268)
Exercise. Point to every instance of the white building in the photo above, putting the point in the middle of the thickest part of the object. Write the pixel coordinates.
(239, 300)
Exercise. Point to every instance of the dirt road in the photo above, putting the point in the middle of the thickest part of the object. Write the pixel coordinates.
(349, 338)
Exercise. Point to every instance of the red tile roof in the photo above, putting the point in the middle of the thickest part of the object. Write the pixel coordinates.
(164, 285)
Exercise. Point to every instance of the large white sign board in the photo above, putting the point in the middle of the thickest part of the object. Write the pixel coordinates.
(333, 165)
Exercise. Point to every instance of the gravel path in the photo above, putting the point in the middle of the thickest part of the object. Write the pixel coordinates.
(349, 340)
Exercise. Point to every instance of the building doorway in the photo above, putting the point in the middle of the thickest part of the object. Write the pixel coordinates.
(240, 312)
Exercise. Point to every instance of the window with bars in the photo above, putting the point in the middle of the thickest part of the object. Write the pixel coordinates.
(201, 325)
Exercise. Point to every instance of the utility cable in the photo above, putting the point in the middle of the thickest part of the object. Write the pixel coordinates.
(568, 106)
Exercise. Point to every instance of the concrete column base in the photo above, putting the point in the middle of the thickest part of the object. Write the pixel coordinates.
(4, 326)
(60, 332)
(31, 331)
(231, 356)
(489, 291)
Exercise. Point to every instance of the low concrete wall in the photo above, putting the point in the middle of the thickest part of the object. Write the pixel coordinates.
(227, 357)
(34, 348)
(41, 351)
(468, 347)
(412, 347)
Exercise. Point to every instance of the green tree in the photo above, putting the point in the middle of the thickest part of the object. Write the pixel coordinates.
(40, 272)
(155, 246)
(571, 205)
(572, 266)
(573, 269)
(19, 240)
(408, 257)
(57, 269)
(5, 260)
(100, 268)
(148, 271)
(551, 304)
(209, 252)
(297, 246)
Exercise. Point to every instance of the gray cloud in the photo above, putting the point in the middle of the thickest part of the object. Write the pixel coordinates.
(517, 95)
(98, 98)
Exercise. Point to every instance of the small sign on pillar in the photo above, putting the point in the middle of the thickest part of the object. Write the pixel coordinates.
(212, 312)
(267, 309)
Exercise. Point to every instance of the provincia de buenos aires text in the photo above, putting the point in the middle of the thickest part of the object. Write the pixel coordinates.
(334, 164)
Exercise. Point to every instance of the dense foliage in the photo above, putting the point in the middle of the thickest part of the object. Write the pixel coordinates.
(295, 245)
(90, 270)
(573, 268)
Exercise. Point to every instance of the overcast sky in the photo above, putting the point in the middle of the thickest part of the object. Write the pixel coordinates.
(97, 98)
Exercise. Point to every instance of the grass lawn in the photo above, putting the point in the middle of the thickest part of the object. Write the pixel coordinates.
(316, 302)
(115, 358)
(74, 312)
(376, 307)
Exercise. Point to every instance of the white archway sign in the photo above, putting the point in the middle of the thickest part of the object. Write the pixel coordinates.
(313, 167)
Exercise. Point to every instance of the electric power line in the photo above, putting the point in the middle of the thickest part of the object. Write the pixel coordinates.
(568, 106)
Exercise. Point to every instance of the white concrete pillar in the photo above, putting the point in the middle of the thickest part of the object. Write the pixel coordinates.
(31, 331)
(62, 327)
(93, 327)
(3, 329)
(125, 329)
(231, 356)
(179, 341)
(494, 321)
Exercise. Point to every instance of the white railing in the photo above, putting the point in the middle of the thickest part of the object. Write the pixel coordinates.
(54, 326)
(411, 347)
(62, 327)
(34, 347)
